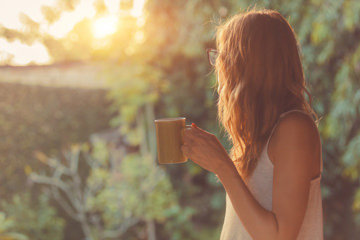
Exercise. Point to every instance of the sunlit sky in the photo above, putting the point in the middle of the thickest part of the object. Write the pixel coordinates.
(37, 53)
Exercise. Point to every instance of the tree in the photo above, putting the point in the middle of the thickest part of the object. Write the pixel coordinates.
(102, 198)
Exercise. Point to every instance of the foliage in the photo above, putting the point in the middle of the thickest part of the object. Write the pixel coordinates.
(34, 220)
(5, 225)
(46, 119)
(87, 197)
(103, 199)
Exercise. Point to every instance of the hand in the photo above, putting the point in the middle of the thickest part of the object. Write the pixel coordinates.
(205, 149)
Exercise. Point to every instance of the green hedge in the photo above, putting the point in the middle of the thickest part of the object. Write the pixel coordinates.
(46, 119)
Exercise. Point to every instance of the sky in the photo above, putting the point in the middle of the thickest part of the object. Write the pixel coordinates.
(37, 53)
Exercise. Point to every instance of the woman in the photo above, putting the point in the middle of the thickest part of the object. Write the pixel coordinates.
(272, 176)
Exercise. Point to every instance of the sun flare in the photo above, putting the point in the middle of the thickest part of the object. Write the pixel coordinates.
(138, 6)
(105, 26)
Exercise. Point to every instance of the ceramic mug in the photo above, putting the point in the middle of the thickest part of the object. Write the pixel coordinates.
(169, 139)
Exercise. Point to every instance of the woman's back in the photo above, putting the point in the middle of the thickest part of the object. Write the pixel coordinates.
(260, 185)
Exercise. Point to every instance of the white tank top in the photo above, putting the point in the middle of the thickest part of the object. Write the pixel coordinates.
(260, 185)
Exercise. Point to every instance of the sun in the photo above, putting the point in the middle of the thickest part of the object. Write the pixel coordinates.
(105, 26)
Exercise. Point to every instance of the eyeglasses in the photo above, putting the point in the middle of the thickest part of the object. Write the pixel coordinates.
(212, 55)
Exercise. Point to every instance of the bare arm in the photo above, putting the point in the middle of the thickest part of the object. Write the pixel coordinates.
(294, 149)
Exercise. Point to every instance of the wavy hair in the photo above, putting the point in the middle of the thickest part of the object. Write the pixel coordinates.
(259, 76)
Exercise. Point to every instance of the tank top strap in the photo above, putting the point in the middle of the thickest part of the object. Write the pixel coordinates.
(277, 122)
(294, 110)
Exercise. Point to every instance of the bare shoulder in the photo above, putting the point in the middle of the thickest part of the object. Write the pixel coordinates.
(296, 144)
(299, 124)
(295, 151)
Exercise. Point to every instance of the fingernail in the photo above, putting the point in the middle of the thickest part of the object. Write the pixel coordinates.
(194, 125)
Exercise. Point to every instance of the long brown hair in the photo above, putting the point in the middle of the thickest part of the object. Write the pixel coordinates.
(260, 76)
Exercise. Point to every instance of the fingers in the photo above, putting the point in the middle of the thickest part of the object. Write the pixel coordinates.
(187, 135)
(186, 150)
(197, 129)
(195, 134)
(194, 130)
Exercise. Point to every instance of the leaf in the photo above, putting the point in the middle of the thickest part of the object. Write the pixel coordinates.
(351, 158)
(356, 203)
(321, 31)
